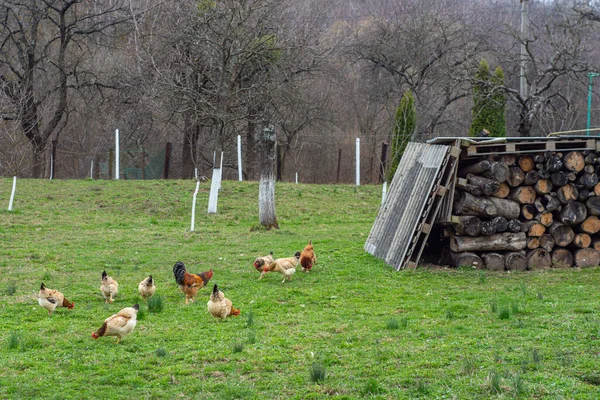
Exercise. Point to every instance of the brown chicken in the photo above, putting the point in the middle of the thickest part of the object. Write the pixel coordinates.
(109, 287)
(119, 324)
(260, 262)
(190, 283)
(285, 266)
(307, 257)
(219, 306)
(147, 288)
(50, 299)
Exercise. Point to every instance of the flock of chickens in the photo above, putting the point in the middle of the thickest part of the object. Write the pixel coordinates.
(123, 322)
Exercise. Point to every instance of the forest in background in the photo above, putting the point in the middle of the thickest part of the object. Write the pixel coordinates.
(199, 73)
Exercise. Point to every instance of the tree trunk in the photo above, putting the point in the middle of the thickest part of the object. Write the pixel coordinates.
(515, 261)
(582, 240)
(547, 242)
(189, 149)
(499, 241)
(266, 191)
(562, 258)
(538, 259)
(593, 205)
(476, 168)
(514, 226)
(516, 176)
(523, 195)
(468, 225)
(493, 261)
(533, 243)
(573, 213)
(526, 163)
(501, 224)
(467, 204)
(488, 228)
(466, 259)
(531, 178)
(563, 235)
(498, 172)
(543, 186)
(488, 187)
(545, 218)
(590, 225)
(559, 178)
(574, 161)
(463, 185)
(533, 228)
(589, 257)
(567, 193)
(503, 191)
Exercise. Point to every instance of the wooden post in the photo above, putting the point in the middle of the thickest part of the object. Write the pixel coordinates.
(53, 159)
(266, 190)
(384, 147)
(337, 179)
(167, 163)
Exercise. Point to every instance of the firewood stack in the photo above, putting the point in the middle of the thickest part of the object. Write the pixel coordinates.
(529, 211)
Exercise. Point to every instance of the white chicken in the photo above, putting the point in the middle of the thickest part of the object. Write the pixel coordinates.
(120, 324)
(219, 306)
(147, 288)
(109, 287)
(50, 299)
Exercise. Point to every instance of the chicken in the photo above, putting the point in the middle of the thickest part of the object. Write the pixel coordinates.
(147, 287)
(190, 283)
(119, 324)
(285, 266)
(260, 262)
(109, 287)
(219, 306)
(50, 299)
(307, 257)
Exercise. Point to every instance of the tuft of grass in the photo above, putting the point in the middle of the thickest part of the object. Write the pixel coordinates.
(317, 372)
(494, 382)
(449, 314)
(11, 289)
(237, 347)
(141, 314)
(540, 296)
(46, 276)
(523, 287)
(155, 304)
(517, 385)
(482, 277)
(392, 323)
(14, 340)
(404, 322)
(535, 356)
(373, 387)
(514, 306)
(469, 365)
(504, 313)
(422, 387)
(160, 352)
(251, 337)
(249, 319)
(494, 306)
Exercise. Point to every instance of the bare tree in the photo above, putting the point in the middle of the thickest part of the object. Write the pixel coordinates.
(42, 59)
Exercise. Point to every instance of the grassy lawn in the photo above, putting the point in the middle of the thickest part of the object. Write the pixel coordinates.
(351, 328)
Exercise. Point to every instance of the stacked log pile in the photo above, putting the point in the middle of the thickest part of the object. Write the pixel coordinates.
(530, 211)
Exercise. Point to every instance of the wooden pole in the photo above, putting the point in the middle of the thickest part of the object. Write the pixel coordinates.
(339, 163)
(167, 163)
(384, 147)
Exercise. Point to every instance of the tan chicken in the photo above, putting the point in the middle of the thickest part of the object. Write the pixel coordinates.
(147, 288)
(307, 257)
(119, 324)
(285, 266)
(50, 299)
(219, 306)
(109, 287)
(260, 262)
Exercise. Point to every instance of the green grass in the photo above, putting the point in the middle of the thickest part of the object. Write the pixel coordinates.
(341, 331)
